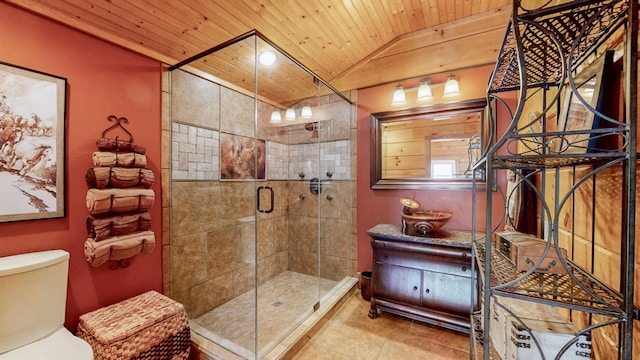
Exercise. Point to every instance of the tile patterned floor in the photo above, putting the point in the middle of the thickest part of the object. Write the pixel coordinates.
(345, 332)
(350, 334)
(283, 302)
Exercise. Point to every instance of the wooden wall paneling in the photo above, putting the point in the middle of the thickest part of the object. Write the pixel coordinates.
(579, 249)
(608, 215)
(135, 25)
(604, 341)
(334, 39)
(404, 148)
(583, 198)
(438, 58)
(446, 32)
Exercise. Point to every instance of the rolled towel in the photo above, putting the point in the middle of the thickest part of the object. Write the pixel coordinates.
(121, 159)
(100, 201)
(119, 177)
(107, 144)
(101, 227)
(119, 247)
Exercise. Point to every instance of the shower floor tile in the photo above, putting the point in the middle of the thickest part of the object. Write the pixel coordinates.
(283, 302)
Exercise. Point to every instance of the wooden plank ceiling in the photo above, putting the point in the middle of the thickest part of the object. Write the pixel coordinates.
(350, 44)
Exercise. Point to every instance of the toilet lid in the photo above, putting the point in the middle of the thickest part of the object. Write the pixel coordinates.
(61, 345)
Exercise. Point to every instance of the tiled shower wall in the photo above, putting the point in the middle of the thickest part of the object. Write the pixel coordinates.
(209, 253)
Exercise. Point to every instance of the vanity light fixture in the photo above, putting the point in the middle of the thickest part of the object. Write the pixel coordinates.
(306, 112)
(399, 97)
(267, 58)
(424, 90)
(451, 87)
(290, 115)
(275, 117)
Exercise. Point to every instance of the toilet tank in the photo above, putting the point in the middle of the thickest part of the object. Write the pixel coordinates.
(33, 295)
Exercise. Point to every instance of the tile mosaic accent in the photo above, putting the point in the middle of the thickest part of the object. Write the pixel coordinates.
(196, 156)
(195, 153)
(277, 161)
(335, 157)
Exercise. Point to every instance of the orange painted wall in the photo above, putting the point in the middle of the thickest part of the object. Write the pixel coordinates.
(383, 206)
(103, 79)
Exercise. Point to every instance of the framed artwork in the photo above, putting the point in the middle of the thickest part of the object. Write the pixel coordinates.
(32, 144)
(242, 157)
(576, 119)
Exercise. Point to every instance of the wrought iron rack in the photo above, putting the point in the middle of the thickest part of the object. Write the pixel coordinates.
(542, 51)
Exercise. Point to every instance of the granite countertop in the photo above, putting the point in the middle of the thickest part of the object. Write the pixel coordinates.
(448, 237)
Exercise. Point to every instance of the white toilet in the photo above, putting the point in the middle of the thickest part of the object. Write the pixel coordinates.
(33, 296)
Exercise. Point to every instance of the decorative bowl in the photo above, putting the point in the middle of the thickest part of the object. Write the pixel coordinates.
(421, 222)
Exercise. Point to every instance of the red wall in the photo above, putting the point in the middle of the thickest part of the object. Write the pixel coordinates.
(383, 206)
(103, 79)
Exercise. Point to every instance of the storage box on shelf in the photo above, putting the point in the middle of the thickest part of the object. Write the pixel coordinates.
(525, 250)
(519, 327)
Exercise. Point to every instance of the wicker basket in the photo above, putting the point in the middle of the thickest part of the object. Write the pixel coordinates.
(147, 326)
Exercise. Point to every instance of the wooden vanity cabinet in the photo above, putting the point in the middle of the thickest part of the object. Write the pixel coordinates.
(423, 280)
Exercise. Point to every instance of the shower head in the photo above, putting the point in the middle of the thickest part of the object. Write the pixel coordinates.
(312, 126)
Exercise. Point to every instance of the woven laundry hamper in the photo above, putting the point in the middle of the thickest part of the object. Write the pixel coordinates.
(147, 326)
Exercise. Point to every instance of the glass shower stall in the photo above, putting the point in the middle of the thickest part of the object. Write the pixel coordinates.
(261, 190)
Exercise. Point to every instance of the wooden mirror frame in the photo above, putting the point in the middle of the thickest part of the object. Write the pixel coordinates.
(378, 119)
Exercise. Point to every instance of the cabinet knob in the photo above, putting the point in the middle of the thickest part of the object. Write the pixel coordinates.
(464, 268)
(415, 288)
(426, 291)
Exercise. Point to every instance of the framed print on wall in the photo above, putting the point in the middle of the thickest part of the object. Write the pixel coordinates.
(32, 144)
(575, 118)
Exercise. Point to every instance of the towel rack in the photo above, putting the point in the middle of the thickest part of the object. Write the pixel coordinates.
(118, 123)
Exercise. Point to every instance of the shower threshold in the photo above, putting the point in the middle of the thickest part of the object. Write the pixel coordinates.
(285, 314)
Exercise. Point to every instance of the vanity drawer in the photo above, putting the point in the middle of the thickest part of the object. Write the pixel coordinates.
(459, 266)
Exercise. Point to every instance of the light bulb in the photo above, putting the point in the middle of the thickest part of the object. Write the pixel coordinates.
(267, 58)
(275, 117)
(306, 112)
(290, 115)
(424, 91)
(451, 87)
(399, 98)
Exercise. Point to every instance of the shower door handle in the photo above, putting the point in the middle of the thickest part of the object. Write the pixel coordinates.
(270, 197)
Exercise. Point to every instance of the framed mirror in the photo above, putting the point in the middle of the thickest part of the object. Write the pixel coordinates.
(428, 147)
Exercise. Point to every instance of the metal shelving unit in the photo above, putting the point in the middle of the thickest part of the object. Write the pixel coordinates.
(543, 49)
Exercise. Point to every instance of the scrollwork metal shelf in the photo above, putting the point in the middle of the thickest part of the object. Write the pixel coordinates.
(544, 161)
(547, 161)
(543, 50)
(582, 291)
(559, 25)
(478, 338)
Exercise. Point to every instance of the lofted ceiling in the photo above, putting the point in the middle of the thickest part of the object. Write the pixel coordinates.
(350, 44)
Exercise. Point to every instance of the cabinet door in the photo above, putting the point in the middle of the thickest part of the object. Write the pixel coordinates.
(397, 283)
(447, 293)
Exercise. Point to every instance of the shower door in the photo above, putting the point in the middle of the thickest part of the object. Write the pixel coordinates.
(287, 226)
(260, 194)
